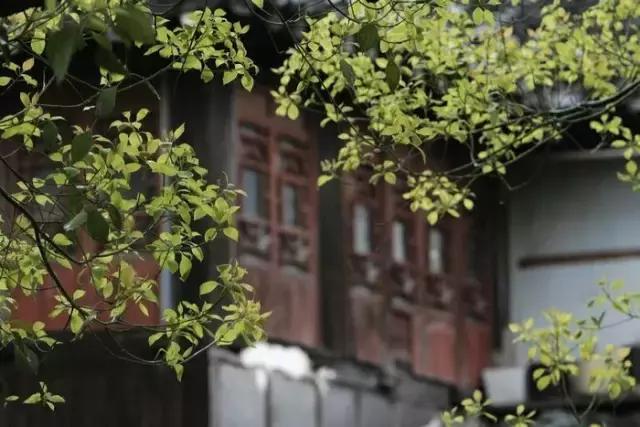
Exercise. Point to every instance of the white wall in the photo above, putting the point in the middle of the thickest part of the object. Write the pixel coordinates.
(569, 207)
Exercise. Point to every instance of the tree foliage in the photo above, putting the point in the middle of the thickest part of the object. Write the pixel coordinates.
(495, 80)
(90, 189)
(400, 79)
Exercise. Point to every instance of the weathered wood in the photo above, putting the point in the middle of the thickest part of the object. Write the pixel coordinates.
(104, 391)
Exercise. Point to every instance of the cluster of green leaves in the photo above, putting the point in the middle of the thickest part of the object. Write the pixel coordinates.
(476, 407)
(189, 323)
(610, 127)
(83, 213)
(566, 348)
(401, 78)
(565, 342)
(43, 397)
(206, 42)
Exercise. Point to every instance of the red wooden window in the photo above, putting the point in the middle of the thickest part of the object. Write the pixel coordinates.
(426, 273)
(276, 172)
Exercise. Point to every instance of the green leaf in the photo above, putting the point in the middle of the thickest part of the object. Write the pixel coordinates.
(489, 18)
(34, 398)
(78, 293)
(4, 80)
(192, 63)
(28, 64)
(178, 132)
(24, 99)
(80, 146)
(106, 102)
(229, 76)
(142, 114)
(347, 72)
(56, 398)
(61, 240)
(432, 217)
(206, 75)
(367, 37)
(143, 309)
(61, 45)
(247, 82)
(323, 179)
(38, 42)
(185, 267)
(631, 167)
(615, 390)
(155, 337)
(619, 143)
(537, 373)
(208, 287)
(76, 322)
(231, 232)
(392, 75)
(97, 226)
(478, 16)
(49, 135)
(390, 178)
(114, 215)
(292, 111)
(134, 25)
(258, 3)
(77, 221)
(543, 382)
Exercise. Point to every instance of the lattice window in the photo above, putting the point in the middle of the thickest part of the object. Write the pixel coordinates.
(276, 218)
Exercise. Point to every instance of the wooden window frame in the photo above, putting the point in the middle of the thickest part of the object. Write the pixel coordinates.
(273, 132)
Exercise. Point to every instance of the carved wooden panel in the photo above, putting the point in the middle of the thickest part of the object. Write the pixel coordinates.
(428, 268)
(368, 313)
(436, 349)
(278, 219)
(477, 350)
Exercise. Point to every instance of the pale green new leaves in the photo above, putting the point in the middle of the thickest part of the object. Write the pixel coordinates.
(404, 78)
(205, 43)
(563, 348)
(472, 407)
(192, 323)
(91, 186)
(43, 397)
(557, 347)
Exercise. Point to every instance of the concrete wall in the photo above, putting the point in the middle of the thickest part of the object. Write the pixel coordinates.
(572, 207)
(250, 396)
